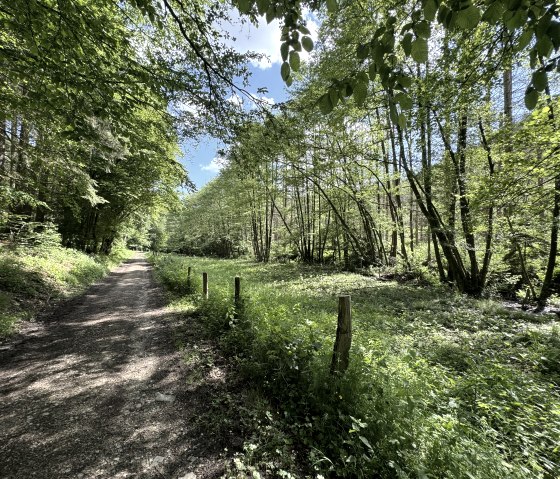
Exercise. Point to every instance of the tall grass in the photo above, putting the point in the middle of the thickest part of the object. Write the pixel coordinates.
(439, 385)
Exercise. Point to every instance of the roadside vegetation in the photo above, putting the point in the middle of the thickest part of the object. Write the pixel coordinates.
(439, 385)
(35, 276)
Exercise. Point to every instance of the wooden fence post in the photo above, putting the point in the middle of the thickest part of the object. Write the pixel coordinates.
(189, 270)
(205, 285)
(343, 341)
(237, 295)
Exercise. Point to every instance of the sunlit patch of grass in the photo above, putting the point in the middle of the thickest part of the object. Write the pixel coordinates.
(8, 320)
(31, 278)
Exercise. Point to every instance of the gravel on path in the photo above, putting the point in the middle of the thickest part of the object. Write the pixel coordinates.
(100, 391)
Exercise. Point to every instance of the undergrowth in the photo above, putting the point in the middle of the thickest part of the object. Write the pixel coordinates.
(32, 277)
(439, 385)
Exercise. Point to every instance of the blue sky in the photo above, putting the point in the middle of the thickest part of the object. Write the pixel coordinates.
(200, 158)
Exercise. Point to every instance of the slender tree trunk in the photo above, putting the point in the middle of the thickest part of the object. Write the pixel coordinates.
(3, 154)
(547, 286)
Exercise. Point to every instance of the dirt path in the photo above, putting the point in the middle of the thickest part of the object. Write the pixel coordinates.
(102, 392)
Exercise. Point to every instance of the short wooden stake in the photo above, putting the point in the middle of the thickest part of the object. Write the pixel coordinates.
(189, 270)
(205, 285)
(343, 341)
(237, 295)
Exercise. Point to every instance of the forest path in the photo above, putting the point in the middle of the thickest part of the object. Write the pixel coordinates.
(102, 391)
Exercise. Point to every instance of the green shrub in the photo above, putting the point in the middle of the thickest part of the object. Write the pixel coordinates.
(432, 389)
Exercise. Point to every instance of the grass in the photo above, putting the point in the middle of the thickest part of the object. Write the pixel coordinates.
(31, 278)
(439, 385)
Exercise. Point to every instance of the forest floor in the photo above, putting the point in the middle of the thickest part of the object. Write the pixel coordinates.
(103, 389)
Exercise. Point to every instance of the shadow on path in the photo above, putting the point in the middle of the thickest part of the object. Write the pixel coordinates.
(101, 391)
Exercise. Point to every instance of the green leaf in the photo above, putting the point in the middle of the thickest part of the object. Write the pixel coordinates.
(372, 70)
(304, 30)
(531, 98)
(380, 31)
(294, 61)
(285, 70)
(362, 77)
(307, 44)
(404, 101)
(404, 81)
(377, 52)
(360, 93)
(325, 104)
(244, 6)
(442, 13)
(296, 46)
(401, 121)
(543, 24)
(362, 51)
(544, 46)
(407, 44)
(494, 12)
(332, 6)
(422, 29)
(270, 14)
(284, 49)
(517, 21)
(539, 80)
(419, 50)
(262, 6)
(365, 441)
(524, 39)
(468, 18)
(406, 27)
(450, 20)
(333, 95)
(430, 10)
(553, 33)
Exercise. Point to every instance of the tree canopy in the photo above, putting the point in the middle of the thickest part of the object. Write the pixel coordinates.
(95, 99)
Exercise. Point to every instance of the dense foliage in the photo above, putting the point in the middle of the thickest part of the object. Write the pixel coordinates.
(95, 97)
(440, 165)
(438, 385)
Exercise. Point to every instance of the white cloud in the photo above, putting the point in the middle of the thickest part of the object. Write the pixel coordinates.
(263, 38)
(235, 99)
(263, 101)
(188, 107)
(268, 100)
(215, 166)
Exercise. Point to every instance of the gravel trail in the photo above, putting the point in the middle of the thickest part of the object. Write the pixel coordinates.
(102, 392)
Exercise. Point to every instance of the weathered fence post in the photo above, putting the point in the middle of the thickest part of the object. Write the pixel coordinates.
(343, 341)
(237, 297)
(189, 270)
(205, 285)
(237, 294)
